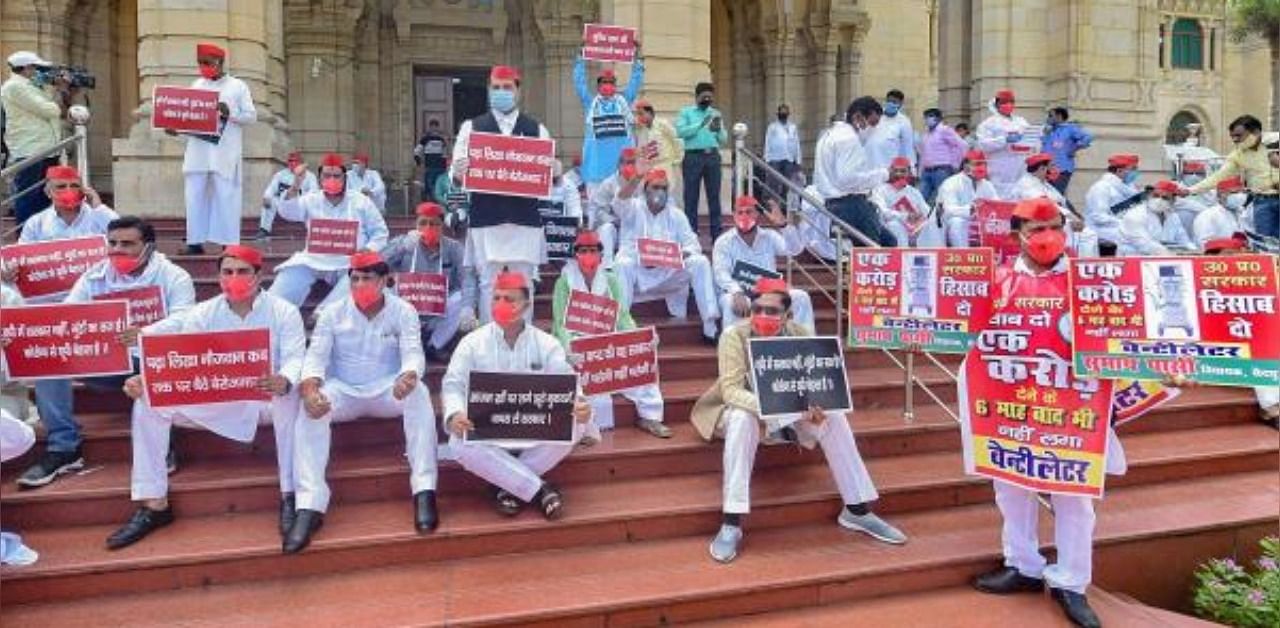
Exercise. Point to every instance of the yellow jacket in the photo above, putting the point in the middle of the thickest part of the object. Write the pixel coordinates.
(733, 387)
(670, 149)
(1251, 163)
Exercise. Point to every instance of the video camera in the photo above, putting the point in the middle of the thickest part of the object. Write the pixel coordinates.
(77, 77)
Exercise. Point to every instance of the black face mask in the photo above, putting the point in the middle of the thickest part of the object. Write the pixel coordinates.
(782, 117)
(704, 103)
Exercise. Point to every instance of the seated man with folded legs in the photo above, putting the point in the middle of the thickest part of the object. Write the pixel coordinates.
(241, 306)
(510, 345)
(730, 410)
(365, 360)
(749, 243)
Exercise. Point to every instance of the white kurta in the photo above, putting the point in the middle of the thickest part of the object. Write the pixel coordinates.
(370, 184)
(640, 283)
(48, 225)
(175, 283)
(274, 193)
(1006, 162)
(1106, 192)
(763, 252)
(843, 166)
(888, 198)
(295, 275)
(1143, 233)
(1085, 242)
(1213, 223)
(214, 171)
(956, 198)
(566, 196)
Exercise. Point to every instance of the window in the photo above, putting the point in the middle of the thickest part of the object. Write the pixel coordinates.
(1160, 54)
(1188, 44)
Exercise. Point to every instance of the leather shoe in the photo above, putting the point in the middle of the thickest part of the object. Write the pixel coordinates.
(288, 513)
(1007, 580)
(1076, 607)
(425, 517)
(143, 522)
(306, 524)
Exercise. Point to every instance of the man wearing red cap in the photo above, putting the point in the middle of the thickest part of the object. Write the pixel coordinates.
(213, 167)
(608, 118)
(365, 180)
(508, 344)
(1151, 228)
(960, 192)
(600, 214)
(1007, 140)
(1037, 182)
(242, 305)
(1220, 220)
(903, 210)
(654, 215)
(280, 183)
(504, 231)
(334, 200)
(425, 249)
(1110, 195)
(76, 211)
(730, 410)
(747, 243)
(365, 360)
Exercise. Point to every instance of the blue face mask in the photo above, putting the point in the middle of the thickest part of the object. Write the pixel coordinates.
(1131, 176)
(892, 108)
(502, 100)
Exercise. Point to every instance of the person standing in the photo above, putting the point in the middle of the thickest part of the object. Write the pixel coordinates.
(896, 127)
(213, 167)
(365, 180)
(609, 121)
(701, 128)
(844, 175)
(430, 154)
(941, 151)
(962, 129)
(32, 123)
(1003, 137)
(1063, 139)
(1250, 160)
(279, 184)
(656, 141)
(782, 146)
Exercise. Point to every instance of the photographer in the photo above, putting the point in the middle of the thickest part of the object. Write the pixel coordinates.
(33, 122)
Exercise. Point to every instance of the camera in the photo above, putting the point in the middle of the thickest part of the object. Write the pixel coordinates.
(77, 77)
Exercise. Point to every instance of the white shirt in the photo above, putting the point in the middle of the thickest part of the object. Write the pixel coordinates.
(48, 225)
(224, 157)
(1006, 162)
(763, 252)
(841, 164)
(670, 224)
(782, 142)
(898, 133)
(566, 195)
(506, 123)
(816, 228)
(888, 198)
(1029, 187)
(1103, 194)
(283, 179)
(958, 193)
(368, 181)
(175, 284)
(353, 206)
(1142, 232)
(486, 349)
(1213, 223)
(366, 354)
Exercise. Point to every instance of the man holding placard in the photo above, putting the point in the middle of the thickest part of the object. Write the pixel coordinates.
(960, 193)
(339, 221)
(582, 288)
(740, 256)
(242, 306)
(660, 256)
(365, 360)
(509, 345)
(280, 184)
(731, 410)
(609, 120)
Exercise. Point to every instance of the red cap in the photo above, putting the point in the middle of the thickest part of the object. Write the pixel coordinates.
(1230, 184)
(587, 237)
(364, 259)
(1039, 159)
(749, 202)
(657, 175)
(333, 160)
(430, 210)
(1004, 95)
(246, 254)
(210, 50)
(504, 73)
(900, 162)
(62, 173)
(641, 104)
(628, 154)
(1237, 242)
(765, 285)
(1165, 186)
(510, 280)
(1123, 160)
(1040, 209)
(975, 155)
(606, 75)
(361, 157)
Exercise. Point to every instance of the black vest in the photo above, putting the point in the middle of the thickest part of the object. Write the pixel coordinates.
(489, 210)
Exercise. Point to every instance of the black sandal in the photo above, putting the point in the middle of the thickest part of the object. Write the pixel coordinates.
(507, 504)
(552, 503)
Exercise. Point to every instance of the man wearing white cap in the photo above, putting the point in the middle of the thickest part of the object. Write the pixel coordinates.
(33, 123)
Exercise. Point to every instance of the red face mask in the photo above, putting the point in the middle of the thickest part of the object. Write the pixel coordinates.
(766, 324)
(1005, 108)
(505, 313)
(366, 294)
(236, 287)
(608, 90)
(744, 222)
(123, 263)
(68, 198)
(588, 262)
(900, 182)
(979, 172)
(629, 172)
(333, 186)
(1045, 247)
(430, 235)
(209, 71)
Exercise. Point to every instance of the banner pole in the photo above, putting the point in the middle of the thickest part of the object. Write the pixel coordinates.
(908, 410)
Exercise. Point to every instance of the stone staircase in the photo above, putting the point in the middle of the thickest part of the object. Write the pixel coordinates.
(631, 548)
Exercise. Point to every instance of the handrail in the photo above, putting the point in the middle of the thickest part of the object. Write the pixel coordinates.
(79, 139)
(12, 170)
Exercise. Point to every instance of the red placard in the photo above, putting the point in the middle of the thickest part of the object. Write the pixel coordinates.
(1215, 320)
(659, 253)
(601, 42)
(616, 361)
(146, 304)
(509, 165)
(332, 236)
(1032, 422)
(590, 314)
(991, 220)
(65, 340)
(205, 367)
(426, 292)
(185, 109)
(52, 267)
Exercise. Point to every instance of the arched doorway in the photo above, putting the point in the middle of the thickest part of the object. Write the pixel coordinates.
(1178, 131)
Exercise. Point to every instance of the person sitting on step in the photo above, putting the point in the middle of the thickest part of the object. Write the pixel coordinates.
(750, 244)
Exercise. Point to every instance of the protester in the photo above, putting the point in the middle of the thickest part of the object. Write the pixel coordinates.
(1108, 197)
(730, 410)
(33, 123)
(508, 344)
(76, 210)
(600, 213)
(213, 167)
(1152, 227)
(903, 210)
(1037, 182)
(962, 129)
(701, 127)
(1003, 137)
(958, 195)
(279, 184)
(242, 305)
(364, 180)
(431, 153)
(844, 175)
(881, 137)
(1250, 160)
(941, 151)
(782, 146)
(607, 127)
(657, 142)
(750, 244)
(1222, 219)
(1063, 139)
(896, 128)
(365, 360)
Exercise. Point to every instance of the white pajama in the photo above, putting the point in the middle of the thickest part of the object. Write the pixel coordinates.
(1268, 396)
(641, 284)
(608, 233)
(311, 456)
(1073, 522)
(213, 208)
(741, 430)
(648, 400)
(519, 473)
(439, 330)
(801, 309)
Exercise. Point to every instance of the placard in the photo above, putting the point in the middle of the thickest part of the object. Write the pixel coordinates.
(1212, 319)
(1133, 398)
(198, 368)
(426, 292)
(332, 236)
(748, 275)
(65, 340)
(509, 165)
(602, 42)
(790, 375)
(659, 253)
(146, 304)
(616, 361)
(1030, 421)
(521, 408)
(559, 233)
(991, 221)
(52, 267)
(590, 314)
(185, 109)
(935, 298)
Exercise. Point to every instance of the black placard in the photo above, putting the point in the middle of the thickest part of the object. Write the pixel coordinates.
(747, 274)
(789, 375)
(560, 232)
(521, 406)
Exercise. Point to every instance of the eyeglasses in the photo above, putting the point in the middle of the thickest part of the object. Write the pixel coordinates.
(768, 310)
(588, 249)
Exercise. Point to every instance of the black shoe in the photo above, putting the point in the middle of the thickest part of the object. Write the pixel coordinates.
(171, 460)
(711, 341)
(288, 513)
(1076, 607)
(193, 249)
(263, 234)
(425, 516)
(308, 522)
(1007, 580)
(143, 522)
(51, 465)
(432, 354)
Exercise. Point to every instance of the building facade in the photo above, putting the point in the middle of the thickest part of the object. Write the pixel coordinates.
(347, 75)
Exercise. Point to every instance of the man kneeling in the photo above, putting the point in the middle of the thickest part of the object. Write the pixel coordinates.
(730, 410)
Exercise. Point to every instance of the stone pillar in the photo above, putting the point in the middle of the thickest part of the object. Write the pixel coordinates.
(147, 176)
(321, 69)
(676, 36)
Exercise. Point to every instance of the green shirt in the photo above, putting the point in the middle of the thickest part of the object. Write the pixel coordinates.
(560, 306)
(695, 134)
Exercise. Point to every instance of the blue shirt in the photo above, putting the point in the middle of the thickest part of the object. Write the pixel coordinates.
(1063, 141)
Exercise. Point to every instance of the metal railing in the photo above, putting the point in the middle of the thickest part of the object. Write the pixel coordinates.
(77, 142)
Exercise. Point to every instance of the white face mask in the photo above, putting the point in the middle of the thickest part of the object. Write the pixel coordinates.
(1235, 201)
(1160, 205)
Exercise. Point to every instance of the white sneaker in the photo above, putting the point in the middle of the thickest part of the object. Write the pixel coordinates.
(872, 525)
(724, 548)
